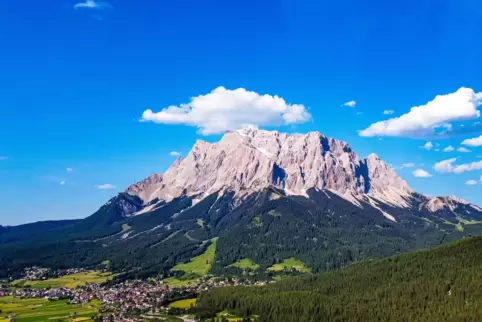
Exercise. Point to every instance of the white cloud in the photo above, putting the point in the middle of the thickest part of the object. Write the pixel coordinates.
(350, 104)
(462, 149)
(388, 112)
(174, 153)
(420, 173)
(226, 110)
(436, 150)
(427, 146)
(3, 158)
(473, 142)
(449, 149)
(422, 120)
(105, 186)
(408, 165)
(91, 4)
(480, 179)
(69, 169)
(447, 166)
(62, 182)
(471, 182)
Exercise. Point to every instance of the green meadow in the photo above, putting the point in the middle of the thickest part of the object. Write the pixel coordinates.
(244, 264)
(183, 304)
(199, 265)
(289, 264)
(68, 281)
(40, 310)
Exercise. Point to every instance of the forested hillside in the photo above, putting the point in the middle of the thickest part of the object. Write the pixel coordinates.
(440, 284)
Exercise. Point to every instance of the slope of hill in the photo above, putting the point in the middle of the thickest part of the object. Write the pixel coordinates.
(440, 284)
(266, 196)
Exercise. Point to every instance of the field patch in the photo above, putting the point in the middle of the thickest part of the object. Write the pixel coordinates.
(183, 304)
(43, 310)
(245, 263)
(199, 265)
(68, 281)
(176, 282)
(289, 264)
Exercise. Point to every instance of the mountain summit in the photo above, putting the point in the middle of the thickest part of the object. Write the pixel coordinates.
(251, 160)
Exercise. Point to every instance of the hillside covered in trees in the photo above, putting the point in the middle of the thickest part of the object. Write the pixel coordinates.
(440, 284)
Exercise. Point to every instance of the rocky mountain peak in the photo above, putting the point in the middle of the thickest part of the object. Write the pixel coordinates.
(249, 160)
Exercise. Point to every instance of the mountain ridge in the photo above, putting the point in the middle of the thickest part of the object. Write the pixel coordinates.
(266, 196)
(260, 160)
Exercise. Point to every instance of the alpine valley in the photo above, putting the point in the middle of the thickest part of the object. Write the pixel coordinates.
(255, 195)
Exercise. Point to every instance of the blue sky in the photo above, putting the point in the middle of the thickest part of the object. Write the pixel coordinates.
(75, 82)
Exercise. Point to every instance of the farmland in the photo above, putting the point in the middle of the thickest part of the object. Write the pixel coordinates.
(183, 304)
(40, 309)
(66, 281)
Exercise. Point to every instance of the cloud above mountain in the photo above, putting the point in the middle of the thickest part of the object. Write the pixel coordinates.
(91, 4)
(350, 104)
(225, 110)
(420, 173)
(473, 142)
(106, 186)
(448, 166)
(449, 149)
(426, 120)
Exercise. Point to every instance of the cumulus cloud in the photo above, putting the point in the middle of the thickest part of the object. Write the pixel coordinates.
(174, 153)
(427, 146)
(449, 149)
(420, 173)
(69, 169)
(105, 186)
(471, 182)
(408, 165)
(91, 4)
(350, 104)
(388, 112)
(445, 165)
(473, 142)
(226, 110)
(462, 149)
(448, 166)
(62, 182)
(423, 120)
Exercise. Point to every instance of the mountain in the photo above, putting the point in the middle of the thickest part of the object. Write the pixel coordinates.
(432, 285)
(266, 196)
(251, 160)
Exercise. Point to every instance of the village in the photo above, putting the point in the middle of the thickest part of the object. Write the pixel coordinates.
(128, 300)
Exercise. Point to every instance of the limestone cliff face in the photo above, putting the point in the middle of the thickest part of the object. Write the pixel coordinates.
(250, 160)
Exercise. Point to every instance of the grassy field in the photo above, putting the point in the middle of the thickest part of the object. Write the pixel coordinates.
(69, 281)
(183, 304)
(245, 263)
(174, 282)
(290, 263)
(228, 316)
(199, 265)
(40, 310)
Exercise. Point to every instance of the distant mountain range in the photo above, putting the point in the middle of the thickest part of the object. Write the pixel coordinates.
(267, 196)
